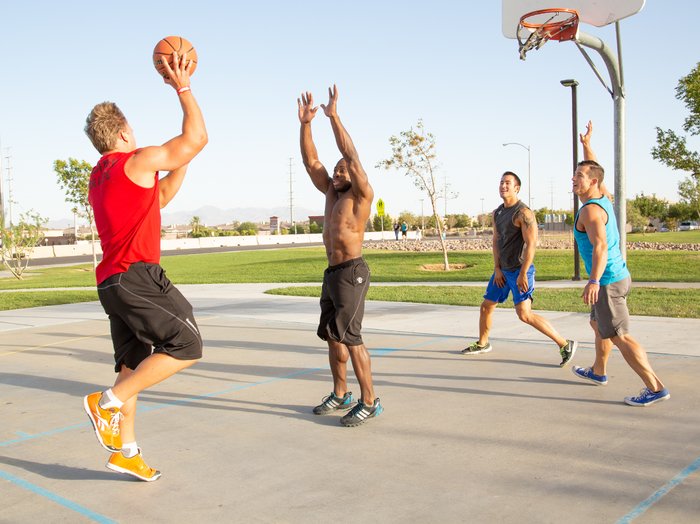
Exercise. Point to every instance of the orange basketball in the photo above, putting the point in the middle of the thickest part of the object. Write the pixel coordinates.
(163, 52)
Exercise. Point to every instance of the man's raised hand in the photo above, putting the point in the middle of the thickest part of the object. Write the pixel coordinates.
(586, 138)
(307, 111)
(330, 109)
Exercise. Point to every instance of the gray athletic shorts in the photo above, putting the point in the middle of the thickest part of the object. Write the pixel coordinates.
(611, 311)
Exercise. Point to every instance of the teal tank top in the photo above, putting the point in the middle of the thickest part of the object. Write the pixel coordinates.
(615, 268)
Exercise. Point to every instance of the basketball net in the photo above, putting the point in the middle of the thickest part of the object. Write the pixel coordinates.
(538, 27)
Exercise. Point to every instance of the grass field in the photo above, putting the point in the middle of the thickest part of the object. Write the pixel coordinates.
(299, 265)
(677, 303)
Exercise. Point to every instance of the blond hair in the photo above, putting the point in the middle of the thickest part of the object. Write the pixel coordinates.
(103, 125)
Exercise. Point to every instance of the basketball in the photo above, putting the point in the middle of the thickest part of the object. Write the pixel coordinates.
(163, 52)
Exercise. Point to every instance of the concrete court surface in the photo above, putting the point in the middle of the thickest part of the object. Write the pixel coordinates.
(503, 437)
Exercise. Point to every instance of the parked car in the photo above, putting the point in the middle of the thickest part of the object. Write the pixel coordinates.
(688, 225)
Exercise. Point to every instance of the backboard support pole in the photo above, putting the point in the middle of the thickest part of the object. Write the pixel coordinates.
(618, 94)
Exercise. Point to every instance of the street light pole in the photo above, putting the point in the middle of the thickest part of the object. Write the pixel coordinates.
(529, 184)
(574, 144)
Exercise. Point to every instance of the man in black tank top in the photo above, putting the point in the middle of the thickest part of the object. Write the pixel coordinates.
(514, 240)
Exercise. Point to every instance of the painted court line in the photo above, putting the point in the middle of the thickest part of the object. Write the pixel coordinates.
(69, 504)
(104, 520)
(653, 499)
(52, 344)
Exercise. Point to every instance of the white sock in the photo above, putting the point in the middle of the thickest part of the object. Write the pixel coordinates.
(129, 449)
(110, 400)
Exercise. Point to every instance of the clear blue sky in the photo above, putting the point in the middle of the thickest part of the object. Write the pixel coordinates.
(393, 61)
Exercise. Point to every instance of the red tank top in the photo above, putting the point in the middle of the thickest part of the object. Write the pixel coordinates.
(127, 216)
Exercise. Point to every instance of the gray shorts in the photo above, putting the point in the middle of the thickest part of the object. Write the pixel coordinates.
(611, 311)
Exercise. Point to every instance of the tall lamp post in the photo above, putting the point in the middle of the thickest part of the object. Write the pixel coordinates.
(529, 186)
(574, 144)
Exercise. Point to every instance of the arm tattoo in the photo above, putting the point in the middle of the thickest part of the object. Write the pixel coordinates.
(527, 218)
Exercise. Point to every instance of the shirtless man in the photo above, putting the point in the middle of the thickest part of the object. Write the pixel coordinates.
(346, 280)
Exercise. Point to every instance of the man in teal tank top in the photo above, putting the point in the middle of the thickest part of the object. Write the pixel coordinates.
(598, 239)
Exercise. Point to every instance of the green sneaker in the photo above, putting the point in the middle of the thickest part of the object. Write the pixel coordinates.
(475, 349)
(567, 352)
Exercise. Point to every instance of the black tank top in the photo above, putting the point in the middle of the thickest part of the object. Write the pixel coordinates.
(510, 238)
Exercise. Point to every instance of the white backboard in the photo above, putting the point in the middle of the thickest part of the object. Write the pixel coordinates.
(594, 12)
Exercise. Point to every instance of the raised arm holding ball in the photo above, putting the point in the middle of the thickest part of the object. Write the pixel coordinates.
(153, 330)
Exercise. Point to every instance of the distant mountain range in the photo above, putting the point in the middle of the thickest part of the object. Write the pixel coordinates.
(214, 216)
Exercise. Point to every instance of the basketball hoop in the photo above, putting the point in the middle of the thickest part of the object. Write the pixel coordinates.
(537, 27)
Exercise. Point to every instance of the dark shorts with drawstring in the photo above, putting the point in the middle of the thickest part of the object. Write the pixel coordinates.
(147, 314)
(343, 302)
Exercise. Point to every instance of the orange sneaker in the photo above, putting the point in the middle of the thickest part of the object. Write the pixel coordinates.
(105, 422)
(134, 466)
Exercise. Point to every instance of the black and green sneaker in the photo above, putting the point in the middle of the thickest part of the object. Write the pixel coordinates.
(361, 413)
(567, 352)
(475, 349)
(334, 403)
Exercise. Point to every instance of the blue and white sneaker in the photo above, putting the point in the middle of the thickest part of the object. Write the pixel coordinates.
(587, 374)
(361, 413)
(334, 403)
(647, 397)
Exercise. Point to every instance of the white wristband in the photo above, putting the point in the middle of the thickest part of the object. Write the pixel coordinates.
(183, 90)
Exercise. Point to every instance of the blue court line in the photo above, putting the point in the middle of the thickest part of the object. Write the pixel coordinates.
(142, 409)
(646, 504)
(102, 519)
(85, 512)
(26, 436)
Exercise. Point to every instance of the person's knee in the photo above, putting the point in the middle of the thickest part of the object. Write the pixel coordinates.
(525, 316)
(487, 307)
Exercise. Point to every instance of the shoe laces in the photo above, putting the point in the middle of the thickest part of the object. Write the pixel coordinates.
(644, 392)
(332, 396)
(114, 422)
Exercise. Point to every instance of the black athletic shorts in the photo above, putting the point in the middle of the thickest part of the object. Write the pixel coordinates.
(343, 302)
(147, 314)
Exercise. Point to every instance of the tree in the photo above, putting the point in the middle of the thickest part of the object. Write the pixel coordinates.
(413, 152)
(19, 240)
(377, 222)
(635, 218)
(315, 227)
(650, 206)
(197, 229)
(247, 228)
(74, 179)
(461, 220)
(689, 191)
(672, 149)
(410, 219)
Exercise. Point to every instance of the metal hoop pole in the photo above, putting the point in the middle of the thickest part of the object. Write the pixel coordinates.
(619, 128)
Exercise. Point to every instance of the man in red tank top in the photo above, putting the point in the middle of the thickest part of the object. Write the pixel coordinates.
(153, 329)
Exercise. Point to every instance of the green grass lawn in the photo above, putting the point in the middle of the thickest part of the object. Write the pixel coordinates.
(677, 303)
(27, 299)
(671, 237)
(299, 265)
